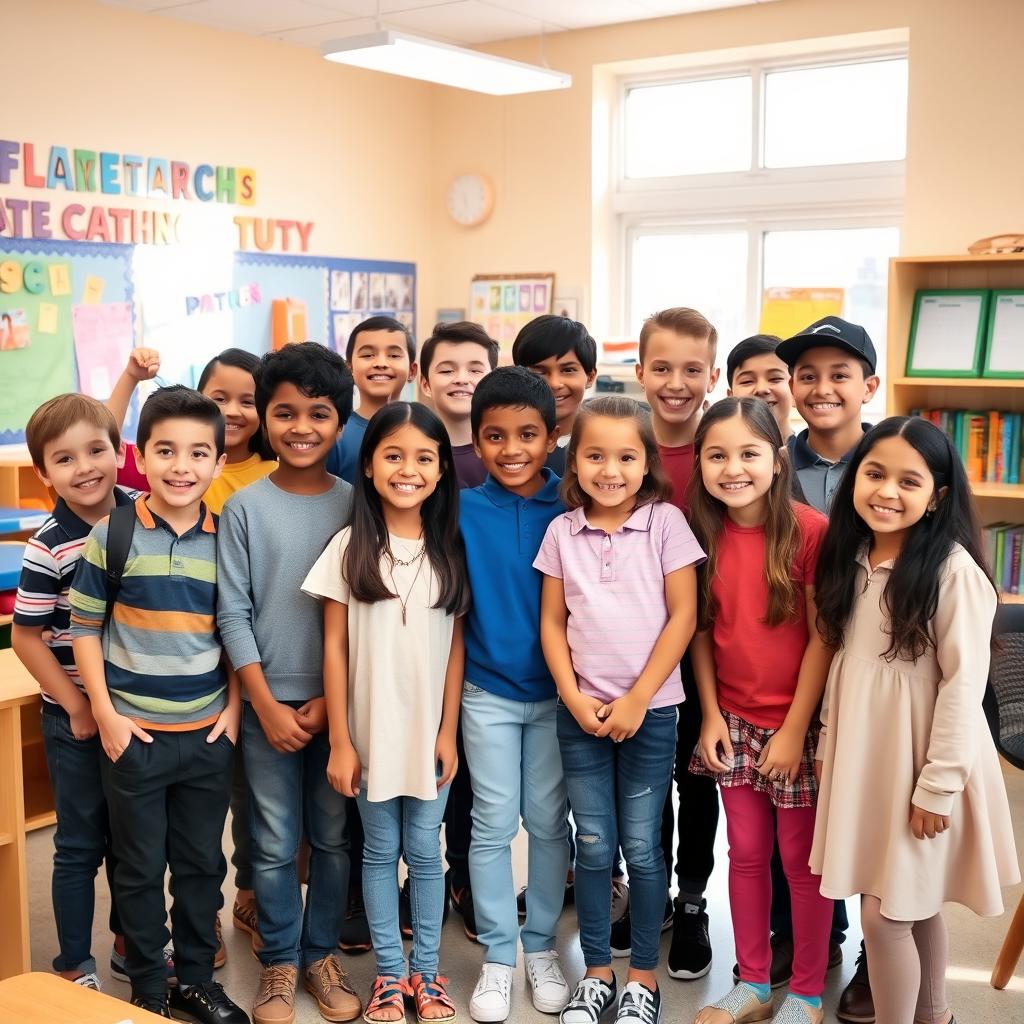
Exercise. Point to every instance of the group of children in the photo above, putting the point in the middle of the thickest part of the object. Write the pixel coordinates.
(515, 608)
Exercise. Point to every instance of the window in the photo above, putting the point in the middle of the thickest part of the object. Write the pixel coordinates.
(770, 175)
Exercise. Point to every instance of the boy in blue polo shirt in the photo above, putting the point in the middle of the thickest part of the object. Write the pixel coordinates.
(508, 701)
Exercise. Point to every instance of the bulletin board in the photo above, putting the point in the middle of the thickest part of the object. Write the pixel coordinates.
(79, 307)
(504, 303)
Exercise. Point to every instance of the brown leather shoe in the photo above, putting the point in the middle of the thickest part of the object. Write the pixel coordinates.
(275, 997)
(328, 984)
(220, 958)
(855, 1004)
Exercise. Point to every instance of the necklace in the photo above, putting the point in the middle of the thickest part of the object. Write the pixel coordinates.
(406, 561)
(418, 558)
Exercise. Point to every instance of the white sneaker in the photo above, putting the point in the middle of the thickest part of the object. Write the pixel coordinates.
(88, 981)
(491, 1002)
(544, 973)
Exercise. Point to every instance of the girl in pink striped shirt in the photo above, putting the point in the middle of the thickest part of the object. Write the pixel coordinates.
(617, 611)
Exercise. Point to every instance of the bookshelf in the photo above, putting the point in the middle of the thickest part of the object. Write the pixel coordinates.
(907, 274)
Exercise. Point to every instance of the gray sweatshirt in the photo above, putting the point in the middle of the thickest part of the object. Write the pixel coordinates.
(267, 540)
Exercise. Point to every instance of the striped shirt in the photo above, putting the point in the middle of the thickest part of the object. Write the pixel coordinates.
(51, 558)
(162, 652)
(615, 593)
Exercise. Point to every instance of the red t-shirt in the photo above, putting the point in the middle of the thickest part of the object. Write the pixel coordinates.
(758, 665)
(128, 475)
(678, 464)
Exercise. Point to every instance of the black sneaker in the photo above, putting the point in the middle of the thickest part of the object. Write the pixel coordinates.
(569, 900)
(153, 1004)
(590, 1001)
(668, 917)
(207, 1003)
(639, 1005)
(690, 954)
(355, 929)
(461, 897)
(405, 910)
(622, 936)
(521, 904)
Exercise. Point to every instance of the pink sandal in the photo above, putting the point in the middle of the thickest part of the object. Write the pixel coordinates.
(431, 988)
(389, 993)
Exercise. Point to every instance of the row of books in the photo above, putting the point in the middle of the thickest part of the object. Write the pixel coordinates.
(1003, 542)
(989, 442)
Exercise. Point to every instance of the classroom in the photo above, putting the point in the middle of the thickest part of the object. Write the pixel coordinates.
(769, 252)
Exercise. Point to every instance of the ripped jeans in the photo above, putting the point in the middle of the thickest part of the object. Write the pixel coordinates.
(617, 792)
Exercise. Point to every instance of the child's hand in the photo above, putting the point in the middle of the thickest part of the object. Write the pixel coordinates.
(446, 756)
(313, 715)
(714, 733)
(780, 760)
(143, 364)
(584, 709)
(283, 727)
(621, 718)
(924, 824)
(83, 725)
(228, 723)
(116, 732)
(344, 770)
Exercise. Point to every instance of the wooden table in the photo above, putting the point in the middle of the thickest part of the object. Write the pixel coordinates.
(48, 999)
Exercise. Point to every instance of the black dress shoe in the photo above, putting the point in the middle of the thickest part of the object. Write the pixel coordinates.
(153, 1004)
(207, 1003)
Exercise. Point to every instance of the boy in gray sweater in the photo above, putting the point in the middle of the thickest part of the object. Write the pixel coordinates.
(271, 533)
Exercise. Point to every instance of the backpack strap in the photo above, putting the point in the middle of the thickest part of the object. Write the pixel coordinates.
(120, 530)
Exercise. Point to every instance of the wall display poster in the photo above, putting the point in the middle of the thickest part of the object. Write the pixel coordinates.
(787, 311)
(503, 303)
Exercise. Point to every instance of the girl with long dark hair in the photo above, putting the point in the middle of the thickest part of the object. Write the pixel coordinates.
(394, 587)
(912, 812)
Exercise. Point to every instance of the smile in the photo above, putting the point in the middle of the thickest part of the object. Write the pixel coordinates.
(675, 403)
(735, 485)
(407, 488)
(303, 446)
(89, 485)
(826, 406)
(460, 394)
(610, 487)
(180, 485)
(884, 510)
(381, 377)
(513, 467)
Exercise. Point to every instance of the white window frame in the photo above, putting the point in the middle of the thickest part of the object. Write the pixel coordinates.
(756, 200)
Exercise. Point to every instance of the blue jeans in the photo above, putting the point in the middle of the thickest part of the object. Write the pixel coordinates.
(392, 828)
(516, 771)
(81, 842)
(289, 795)
(617, 791)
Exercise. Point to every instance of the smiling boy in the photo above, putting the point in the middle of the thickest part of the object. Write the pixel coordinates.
(753, 368)
(382, 356)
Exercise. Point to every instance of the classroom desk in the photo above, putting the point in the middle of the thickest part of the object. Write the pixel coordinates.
(46, 999)
(21, 520)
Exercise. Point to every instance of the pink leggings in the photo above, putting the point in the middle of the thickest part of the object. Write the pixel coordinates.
(751, 829)
(907, 965)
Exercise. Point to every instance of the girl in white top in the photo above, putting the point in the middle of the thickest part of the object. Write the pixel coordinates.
(394, 587)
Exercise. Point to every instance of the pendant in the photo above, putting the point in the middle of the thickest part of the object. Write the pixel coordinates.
(403, 614)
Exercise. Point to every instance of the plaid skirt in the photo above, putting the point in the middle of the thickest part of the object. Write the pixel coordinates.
(747, 743)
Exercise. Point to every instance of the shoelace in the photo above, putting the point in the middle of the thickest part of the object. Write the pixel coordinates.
(494, 980)
(330, 974)
(589, 993)
(211, 994)
(639, 1003)
(276, 981)
(546, 969)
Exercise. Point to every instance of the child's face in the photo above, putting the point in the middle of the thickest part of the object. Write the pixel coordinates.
(234, 390)
(81, 465)
(456, 370)
(610, 462)
(405, 468)
(893, 487)
(676, 375)
(301, 430)
(380, 365)
(513, 444)
(829, 388)
(737, 467)
(179, 461)
(766, 377)
(568, 382)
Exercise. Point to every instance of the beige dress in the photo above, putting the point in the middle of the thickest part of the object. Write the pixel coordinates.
(896, 733)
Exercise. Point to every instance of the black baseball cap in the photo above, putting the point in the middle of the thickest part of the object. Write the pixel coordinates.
(833, 332)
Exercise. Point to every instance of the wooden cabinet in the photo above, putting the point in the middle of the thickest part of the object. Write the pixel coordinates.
(907, 274)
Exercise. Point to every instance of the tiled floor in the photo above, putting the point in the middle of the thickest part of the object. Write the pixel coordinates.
(974, 943)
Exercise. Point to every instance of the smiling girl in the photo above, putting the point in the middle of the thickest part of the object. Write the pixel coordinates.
(760, 668)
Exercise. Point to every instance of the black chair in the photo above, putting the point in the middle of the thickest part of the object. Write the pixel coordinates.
(1004, 708)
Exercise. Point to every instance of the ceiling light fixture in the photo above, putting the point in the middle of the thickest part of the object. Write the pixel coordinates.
(398, 53)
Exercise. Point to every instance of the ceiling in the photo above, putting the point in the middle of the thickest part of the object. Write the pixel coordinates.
(469, 22)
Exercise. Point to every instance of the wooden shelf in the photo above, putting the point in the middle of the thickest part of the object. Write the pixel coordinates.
(982, 490)
(42, 820)
(6, 838)
(1011, 598)
(995, 383)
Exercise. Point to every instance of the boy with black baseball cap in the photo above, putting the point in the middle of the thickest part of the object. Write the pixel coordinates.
(833, 366)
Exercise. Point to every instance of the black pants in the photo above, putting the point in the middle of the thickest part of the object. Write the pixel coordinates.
(694, 853)
(168, 800)
(458, 823)
(241, 839)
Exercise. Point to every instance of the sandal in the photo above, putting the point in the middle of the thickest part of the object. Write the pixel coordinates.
(430, 988)
(388, 992)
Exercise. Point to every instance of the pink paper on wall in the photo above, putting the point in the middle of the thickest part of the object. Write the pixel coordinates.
(104, 336)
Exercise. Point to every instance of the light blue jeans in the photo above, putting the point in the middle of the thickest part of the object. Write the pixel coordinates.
(516, 768)
(403, 826)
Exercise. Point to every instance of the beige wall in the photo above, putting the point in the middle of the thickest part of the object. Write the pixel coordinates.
(369, 157)
(963, 178)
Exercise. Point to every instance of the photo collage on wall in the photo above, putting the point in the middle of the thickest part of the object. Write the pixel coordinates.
(357, 295)
(503, 304)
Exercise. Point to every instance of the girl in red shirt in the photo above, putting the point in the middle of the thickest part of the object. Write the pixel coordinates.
(760, 667)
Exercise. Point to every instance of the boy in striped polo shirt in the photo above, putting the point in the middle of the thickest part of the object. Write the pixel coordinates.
(166, 707)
